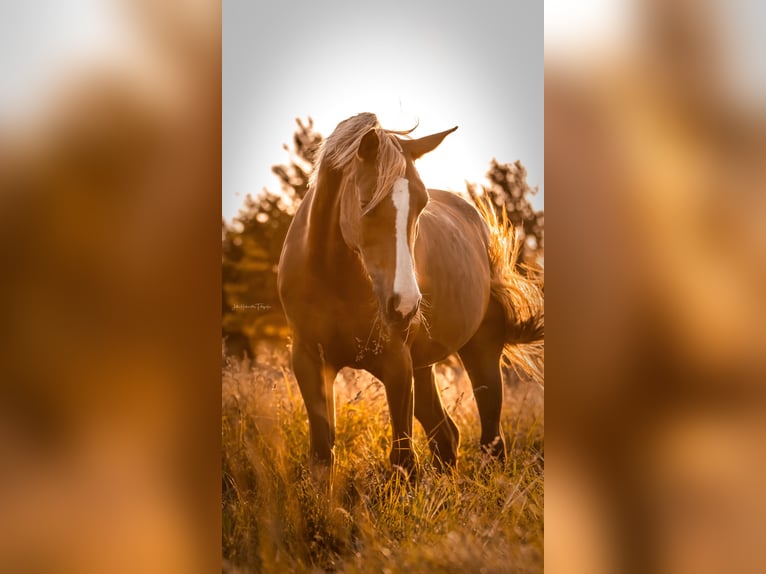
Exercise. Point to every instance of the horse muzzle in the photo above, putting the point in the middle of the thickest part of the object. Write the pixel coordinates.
(398, 316)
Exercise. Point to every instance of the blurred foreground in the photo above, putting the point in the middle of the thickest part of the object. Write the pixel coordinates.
(110, 176)
(656, 293)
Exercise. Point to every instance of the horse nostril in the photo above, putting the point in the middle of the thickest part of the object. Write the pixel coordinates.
(393, 303)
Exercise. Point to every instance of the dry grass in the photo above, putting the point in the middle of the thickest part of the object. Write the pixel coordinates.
(483, 518)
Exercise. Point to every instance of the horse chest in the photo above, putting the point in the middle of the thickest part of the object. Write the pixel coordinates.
(348, 330)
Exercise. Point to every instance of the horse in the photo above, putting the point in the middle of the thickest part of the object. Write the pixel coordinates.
(379, 273)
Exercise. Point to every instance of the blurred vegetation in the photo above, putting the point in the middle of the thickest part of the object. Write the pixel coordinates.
(252, 244)
(252, 241)
(508, 189)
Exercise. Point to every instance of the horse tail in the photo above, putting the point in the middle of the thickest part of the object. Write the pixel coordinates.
(520, 295)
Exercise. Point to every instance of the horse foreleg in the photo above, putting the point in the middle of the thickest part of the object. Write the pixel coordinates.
(397, 380)
(442, 432)
(315, 380)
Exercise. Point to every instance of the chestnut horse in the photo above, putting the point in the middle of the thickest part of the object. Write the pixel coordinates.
(378, 273)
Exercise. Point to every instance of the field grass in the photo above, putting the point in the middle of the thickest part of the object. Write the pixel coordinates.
(485, 517)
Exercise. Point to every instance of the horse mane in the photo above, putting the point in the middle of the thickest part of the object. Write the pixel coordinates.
(339, 150)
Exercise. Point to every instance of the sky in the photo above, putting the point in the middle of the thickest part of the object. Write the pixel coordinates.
(478, 66)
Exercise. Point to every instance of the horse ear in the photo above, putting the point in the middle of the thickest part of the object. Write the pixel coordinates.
(422, 146)
(368, 147)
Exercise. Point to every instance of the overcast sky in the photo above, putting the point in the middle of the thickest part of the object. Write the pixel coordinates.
(477, 65)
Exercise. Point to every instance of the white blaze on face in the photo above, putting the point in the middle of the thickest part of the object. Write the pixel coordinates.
(405, 284)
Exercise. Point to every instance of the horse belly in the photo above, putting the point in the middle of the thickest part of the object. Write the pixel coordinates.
(454, 278)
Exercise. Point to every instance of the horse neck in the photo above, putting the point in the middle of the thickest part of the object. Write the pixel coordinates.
(327, 248)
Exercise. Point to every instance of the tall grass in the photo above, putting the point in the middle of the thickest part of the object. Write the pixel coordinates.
(484, 517)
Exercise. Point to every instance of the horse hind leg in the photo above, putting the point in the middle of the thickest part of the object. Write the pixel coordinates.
(442, 432)
(481, 358)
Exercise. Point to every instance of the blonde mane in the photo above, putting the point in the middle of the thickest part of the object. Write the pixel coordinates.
(338, 152)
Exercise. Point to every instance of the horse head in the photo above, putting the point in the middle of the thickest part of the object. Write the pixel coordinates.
(383, 199)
